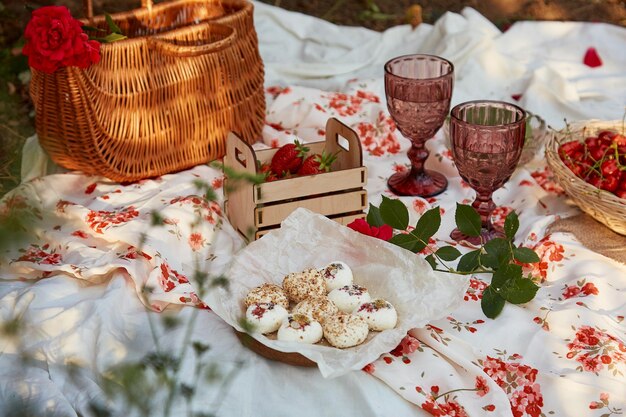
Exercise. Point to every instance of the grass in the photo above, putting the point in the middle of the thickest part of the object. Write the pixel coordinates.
(16, 123)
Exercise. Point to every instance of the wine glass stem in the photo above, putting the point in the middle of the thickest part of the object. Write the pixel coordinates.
(484, 205)
(417, 155)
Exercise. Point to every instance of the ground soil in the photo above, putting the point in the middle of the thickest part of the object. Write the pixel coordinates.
(16, 114)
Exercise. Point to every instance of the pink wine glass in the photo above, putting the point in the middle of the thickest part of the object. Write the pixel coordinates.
(418, 90)
(487, 141)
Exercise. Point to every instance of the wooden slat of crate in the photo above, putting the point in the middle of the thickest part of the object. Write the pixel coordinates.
(344, 220)
(326, 205)
(310, 185)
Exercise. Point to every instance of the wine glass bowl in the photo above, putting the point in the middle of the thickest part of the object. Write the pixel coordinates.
(418, 89)
(487, 139)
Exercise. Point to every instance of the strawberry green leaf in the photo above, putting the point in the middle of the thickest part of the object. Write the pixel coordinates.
(373, 216)
(511, 225)
(525, 255)
(448, 253)
(467, 220)
(492, 303)
(394, 213)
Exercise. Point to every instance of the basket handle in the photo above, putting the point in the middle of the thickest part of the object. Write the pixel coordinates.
(88, 7)
(175, 49)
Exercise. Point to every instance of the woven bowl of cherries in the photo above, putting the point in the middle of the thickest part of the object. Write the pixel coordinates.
(589, 161)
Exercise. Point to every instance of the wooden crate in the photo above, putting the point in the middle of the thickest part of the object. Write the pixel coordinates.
(254, 210)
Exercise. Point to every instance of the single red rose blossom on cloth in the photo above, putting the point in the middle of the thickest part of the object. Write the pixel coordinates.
(54, 39)
(383, 232)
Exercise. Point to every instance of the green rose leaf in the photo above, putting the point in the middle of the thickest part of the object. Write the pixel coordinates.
(525, 255)
(394, 213)
(448, 253)
(504, 274)
(406, 241)
(491, 303)
(432, 261)
(469, 261)
(511, 225)
(520, 290)
(92, 29)
(373, 216)
(114, 28)
(498, 253)
(467, 220)
(112, 37)
(428, 224)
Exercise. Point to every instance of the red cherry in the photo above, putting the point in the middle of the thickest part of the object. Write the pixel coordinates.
(609, 184)
(572, 146)
(621, 193)
(577, 170)
(619, 139)
(595, 180)
(609, 167)
(591, 141)
(597, 153)
(607, 134)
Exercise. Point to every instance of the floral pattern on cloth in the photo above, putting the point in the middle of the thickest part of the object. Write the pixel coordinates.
(96, 228)
(460, 365)
(597, 351)
(521, 383)
(362, 110)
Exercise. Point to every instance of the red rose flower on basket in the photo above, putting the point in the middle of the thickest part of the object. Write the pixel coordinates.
(54, 39)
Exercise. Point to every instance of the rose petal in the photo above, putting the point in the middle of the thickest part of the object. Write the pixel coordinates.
(592, 59)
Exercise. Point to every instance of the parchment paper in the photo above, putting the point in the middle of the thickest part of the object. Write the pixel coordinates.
(307, 240)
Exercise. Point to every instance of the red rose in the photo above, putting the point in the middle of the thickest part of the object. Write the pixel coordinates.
(383, 232)
(54, 39)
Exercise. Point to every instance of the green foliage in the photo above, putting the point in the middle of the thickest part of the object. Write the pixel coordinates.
(498, 257)
(467, 220)
(392, 214)
(373, 216)
(114, 36)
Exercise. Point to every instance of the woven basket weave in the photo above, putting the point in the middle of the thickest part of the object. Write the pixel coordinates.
(602, 205)
(162, 100)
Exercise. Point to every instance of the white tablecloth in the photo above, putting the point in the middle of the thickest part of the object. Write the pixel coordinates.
(77, 284)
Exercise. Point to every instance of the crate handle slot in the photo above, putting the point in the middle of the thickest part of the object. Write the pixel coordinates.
(343, 141)
(239, 158)
(239, 154)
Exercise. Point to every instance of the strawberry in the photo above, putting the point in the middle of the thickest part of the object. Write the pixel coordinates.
(316, 164)
(288, 158)
(266, 170)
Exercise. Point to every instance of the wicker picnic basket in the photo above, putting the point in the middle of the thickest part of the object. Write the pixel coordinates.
(603, 206)
(160, 101)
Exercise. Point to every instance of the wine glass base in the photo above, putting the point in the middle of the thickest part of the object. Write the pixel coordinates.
(427, 184)
(485, 236)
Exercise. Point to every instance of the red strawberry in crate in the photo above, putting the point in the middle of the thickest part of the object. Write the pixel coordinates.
(266, 169)
(288, 158)
(316, 164)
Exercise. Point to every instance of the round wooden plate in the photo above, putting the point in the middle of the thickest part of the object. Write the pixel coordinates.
(290, 358)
